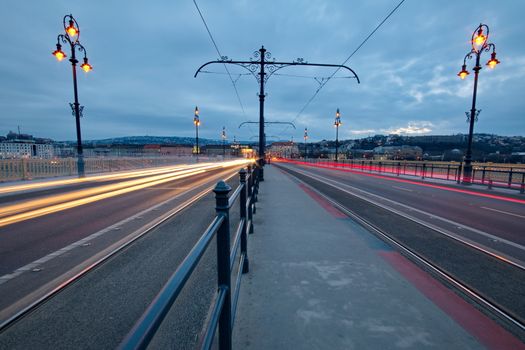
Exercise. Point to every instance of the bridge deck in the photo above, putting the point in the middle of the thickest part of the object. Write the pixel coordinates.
(318, 280)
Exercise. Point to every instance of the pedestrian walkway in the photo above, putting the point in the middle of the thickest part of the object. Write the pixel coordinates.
(318, 280)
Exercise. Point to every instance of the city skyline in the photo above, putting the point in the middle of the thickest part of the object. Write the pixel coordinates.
(144, 58)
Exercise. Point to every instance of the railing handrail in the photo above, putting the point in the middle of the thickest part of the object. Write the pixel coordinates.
(145, 328)
(510, 176)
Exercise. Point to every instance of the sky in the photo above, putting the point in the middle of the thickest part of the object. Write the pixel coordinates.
(145, 53)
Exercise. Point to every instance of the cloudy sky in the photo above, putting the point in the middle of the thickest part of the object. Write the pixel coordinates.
(145, 53)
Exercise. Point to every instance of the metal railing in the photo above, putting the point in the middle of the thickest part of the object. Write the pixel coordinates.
(27, 169)
(225, 304)
(490, 175)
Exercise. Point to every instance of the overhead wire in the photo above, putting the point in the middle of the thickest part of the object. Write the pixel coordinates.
(345, 61)
(220, 56)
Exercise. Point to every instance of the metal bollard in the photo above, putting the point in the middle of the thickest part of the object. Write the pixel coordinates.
(244, 230)
(522, 188)
(223, 263)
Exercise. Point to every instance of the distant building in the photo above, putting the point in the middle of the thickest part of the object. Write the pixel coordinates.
(217, 150)
(398, 152)
(284, 149)
(26, 149)
(176, 150)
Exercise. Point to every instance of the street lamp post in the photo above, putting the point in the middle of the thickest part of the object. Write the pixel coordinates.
(305, 138)
(71, 37)
(223, 136)
(479, 44)
(337, 124)
(197, 122)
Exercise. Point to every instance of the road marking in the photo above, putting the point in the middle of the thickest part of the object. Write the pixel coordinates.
(504, 212)
(116, 227)
(404, 189)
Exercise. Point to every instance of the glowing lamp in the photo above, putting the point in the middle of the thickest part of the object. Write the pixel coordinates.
(58, 53)
(480, 38)
(463, 73)
(196, 110)
(493, 61)
(86, 66)
(71, 30)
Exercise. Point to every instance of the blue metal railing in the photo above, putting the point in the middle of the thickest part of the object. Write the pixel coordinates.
(223, 310)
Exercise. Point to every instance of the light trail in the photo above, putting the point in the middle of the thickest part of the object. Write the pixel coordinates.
(55, 199)
(96, 178)
(36, 208)
(445, 188)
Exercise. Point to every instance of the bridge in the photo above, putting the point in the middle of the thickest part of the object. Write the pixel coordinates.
(318, 256)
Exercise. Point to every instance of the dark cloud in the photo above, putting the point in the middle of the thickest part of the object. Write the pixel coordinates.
(145, 54)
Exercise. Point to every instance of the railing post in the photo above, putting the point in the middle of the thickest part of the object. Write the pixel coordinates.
(398, 168)
(459, 169)
(223, 263)
(510, 179)
(423, 170)
(483, 175)
(255, 187)
(250, 199)
(260, 174)
(522, 188)
(25, 174)
(244, 231)
(448, 171)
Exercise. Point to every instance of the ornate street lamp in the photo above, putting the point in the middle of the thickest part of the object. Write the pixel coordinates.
(197, 122)
(223, 136)
(479, 42)
(305, 138)
(337, 124)
(71, 37)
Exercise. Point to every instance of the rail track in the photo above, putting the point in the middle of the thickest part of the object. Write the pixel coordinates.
(510, 314)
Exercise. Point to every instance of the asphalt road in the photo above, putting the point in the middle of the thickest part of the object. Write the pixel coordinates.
(97, 311)
(490, 276)
(39, 254)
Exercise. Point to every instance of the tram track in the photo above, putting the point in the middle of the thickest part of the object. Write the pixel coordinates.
(492, 282)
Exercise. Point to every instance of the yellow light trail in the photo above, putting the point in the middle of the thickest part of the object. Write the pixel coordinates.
(28, 205)
(120, 175)
(71, 200)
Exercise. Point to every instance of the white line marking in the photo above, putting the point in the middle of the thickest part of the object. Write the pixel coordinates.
(84, 240)
(504, 212)
(404, 189)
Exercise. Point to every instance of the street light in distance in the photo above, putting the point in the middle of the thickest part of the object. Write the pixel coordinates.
(197, 122)
(337, 124)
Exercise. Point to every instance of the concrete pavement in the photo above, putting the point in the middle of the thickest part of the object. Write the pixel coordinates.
(320, 281)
